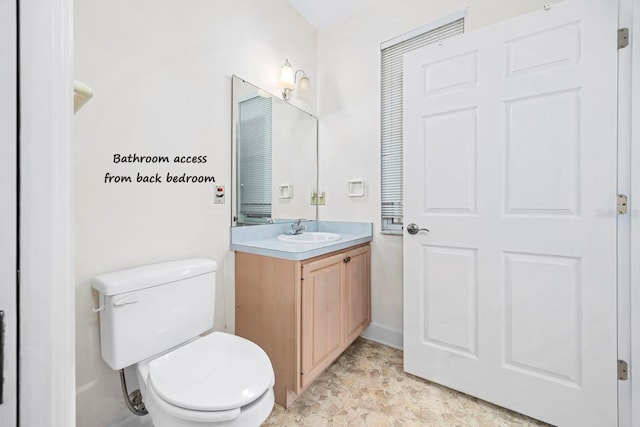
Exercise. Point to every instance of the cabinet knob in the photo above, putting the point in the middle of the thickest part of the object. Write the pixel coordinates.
(347, 259)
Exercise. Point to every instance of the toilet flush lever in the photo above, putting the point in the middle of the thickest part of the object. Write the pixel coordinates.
(130, 299)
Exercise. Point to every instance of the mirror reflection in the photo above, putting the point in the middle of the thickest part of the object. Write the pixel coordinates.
(274, 158)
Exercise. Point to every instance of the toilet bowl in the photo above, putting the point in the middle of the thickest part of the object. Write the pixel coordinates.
(216, 380)
(152, 317)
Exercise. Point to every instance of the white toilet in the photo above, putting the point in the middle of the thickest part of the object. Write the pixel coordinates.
(152, 317)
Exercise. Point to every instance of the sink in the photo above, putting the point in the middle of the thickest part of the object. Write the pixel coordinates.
(309, 237)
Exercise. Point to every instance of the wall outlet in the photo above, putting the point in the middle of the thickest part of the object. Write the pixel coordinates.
(218, 197)
(317, 198)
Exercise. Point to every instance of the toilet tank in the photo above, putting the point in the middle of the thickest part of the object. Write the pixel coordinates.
(147, 310)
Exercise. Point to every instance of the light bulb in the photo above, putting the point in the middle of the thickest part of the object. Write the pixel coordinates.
(286, 76)
(305, 84)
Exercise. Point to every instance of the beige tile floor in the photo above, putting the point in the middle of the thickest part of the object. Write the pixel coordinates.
(366, 386)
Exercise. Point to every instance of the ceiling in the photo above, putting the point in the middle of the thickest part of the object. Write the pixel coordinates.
(325, 13)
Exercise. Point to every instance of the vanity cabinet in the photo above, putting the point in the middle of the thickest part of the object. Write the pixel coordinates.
(304, 314)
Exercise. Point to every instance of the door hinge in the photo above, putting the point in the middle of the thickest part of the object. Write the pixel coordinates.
(623, 370)
(623, 38)
(622, 204)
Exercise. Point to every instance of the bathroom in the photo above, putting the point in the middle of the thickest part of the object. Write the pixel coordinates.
(161, 73)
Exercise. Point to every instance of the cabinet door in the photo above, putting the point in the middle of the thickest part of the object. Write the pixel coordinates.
(322, 324)
(356, 300)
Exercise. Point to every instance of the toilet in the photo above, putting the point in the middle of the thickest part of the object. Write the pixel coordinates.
(153, 317)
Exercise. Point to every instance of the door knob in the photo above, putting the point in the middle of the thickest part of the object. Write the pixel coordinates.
(414, 228)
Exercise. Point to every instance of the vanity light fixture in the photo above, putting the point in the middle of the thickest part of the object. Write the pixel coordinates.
(289, 81)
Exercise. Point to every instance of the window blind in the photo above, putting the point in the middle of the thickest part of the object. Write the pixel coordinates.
(391, 119)
(254, 160)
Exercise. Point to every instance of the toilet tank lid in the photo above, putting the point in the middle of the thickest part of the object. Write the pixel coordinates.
(133, 279)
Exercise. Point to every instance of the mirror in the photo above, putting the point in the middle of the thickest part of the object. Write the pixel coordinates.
(275, 147)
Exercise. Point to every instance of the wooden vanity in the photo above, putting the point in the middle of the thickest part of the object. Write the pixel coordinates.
(303, 313)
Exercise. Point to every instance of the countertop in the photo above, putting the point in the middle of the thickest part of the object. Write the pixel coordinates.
(263, 239)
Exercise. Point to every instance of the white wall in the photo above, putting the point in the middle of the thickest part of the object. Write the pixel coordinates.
(161, 75)
(349, 111)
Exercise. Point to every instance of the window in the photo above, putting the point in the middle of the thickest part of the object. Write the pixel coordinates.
(254, 161)
(391, 111)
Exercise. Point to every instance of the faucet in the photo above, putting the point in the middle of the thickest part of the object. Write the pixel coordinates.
(296, 228)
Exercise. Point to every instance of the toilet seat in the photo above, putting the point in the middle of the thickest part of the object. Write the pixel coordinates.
(218, 372)
(159, 405)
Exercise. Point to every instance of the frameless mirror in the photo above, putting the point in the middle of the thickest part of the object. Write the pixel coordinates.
(274, 146)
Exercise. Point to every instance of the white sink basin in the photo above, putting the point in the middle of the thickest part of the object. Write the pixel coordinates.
(310, 237)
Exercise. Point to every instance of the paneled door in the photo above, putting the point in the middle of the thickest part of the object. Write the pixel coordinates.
(510, 163)
(8, 210)
(356, 301)
(322, 322)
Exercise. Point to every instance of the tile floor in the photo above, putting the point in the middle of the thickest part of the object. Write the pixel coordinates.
(366, 386)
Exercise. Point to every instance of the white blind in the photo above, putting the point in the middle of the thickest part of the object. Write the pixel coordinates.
(254, 160)
(391, 118)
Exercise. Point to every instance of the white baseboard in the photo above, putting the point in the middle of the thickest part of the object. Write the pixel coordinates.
(384, 335)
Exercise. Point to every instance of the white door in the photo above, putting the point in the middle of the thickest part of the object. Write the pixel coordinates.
(510, 162)
(8, 173)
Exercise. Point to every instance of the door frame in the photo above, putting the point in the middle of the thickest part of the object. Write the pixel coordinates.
(46, 288)
(626, 250)
(9, 209)
(631, 325)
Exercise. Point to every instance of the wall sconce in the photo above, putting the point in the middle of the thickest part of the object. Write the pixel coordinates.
(289, 81)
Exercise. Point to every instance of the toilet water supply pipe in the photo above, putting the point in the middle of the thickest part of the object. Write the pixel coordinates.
(134, 400)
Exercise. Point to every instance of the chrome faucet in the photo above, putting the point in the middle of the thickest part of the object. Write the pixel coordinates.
(296, 228)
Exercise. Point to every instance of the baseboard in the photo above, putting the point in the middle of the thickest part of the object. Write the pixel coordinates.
(384, 335)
